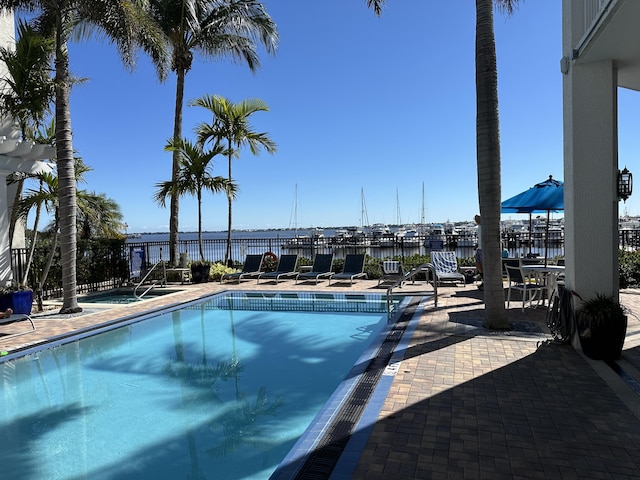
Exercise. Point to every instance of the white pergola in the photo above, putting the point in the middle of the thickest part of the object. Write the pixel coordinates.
(16, 156)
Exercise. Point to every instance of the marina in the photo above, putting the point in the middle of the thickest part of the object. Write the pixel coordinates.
(376, 240)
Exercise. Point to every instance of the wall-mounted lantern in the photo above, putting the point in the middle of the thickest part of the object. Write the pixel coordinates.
(625, 184)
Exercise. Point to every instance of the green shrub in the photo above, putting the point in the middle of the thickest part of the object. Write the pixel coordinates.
(218, 269)
(629, 269)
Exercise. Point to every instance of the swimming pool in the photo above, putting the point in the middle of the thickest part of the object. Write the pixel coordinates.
(123, 296)
(221, 388)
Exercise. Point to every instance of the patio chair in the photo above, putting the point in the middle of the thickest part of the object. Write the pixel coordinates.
(392, 271)
(286, 268)
(529, 286)
(353, 268)
(252, 268)
(321, 268)
(13, 318)
(446, 267)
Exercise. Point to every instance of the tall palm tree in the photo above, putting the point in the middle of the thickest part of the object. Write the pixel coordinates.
(194, 176)
(126, 23)
(214, 29)
(231, 125)
(488, 155)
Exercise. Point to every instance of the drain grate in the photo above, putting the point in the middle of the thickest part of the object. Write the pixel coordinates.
(626, 378)
(321, 462)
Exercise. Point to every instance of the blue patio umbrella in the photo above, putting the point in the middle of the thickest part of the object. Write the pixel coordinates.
(547, 196)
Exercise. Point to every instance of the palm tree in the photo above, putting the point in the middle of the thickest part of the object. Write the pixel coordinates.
(27, 92)
(488, 159)
(44, 136)
(48, 195)
(214, 29)
(126, 23)
(99, 216)
(488, 155)
(231, 125)
(194, 176)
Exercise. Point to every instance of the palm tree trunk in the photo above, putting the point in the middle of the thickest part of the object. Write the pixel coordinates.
(174, 207)
(488, 159)
(52, 252)
(32, 245)
(227, 255)
(200, 224)
(66, 180)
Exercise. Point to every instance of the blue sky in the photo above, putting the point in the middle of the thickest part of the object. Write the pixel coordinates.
(357, 104)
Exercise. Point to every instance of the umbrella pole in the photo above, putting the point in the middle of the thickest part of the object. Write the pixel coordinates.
(530, 233)
(546, 240)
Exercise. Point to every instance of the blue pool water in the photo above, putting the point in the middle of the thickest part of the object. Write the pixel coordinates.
(220, 389)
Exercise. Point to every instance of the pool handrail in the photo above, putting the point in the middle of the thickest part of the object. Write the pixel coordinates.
(162, 281)
(428, 269)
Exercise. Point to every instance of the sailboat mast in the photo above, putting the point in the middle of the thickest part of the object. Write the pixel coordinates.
(293, 218)
(422, 211)
(364, 217)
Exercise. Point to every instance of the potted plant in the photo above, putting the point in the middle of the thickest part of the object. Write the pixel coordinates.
(200, 271)
(602, 327)
(17, 297)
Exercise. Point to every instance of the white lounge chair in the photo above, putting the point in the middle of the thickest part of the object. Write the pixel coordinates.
(446, 266)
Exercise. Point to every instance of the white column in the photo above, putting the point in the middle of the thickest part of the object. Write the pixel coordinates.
(590, 164)
(6, 39)
(5, 252)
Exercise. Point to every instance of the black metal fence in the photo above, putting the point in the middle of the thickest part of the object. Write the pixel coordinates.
(105, 264)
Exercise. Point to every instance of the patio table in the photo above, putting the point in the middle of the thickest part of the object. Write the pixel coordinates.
(548, 274)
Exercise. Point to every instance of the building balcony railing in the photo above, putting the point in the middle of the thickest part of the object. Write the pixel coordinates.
(593, 10)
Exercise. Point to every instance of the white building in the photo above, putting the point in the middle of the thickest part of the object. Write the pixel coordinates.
(601, 53)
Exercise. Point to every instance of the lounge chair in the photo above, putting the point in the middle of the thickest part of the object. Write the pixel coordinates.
(321, 268)
(446, 266)
(286, 268)
(16, 317)
(353, 268)
(392, 271)
(251, 269)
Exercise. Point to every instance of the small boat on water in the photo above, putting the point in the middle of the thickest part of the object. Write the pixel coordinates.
(315, 239)
(408, 236)
(435, 237)
(466, 235)
(350, 236)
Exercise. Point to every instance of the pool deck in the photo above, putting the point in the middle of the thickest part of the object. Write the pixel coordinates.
(466, 402)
